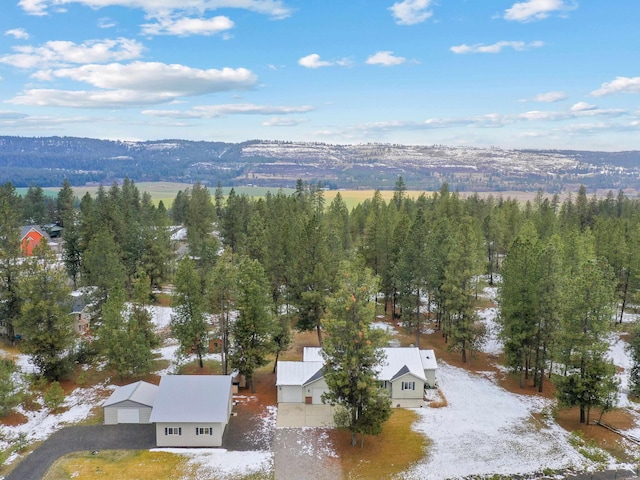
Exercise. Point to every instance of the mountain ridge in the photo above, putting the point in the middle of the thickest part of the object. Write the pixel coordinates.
(46, 161)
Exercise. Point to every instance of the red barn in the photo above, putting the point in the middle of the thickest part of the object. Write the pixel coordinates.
(30, 237)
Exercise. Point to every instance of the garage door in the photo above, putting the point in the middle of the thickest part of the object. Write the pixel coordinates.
(317, 396)
(128, 415)
(290, 395)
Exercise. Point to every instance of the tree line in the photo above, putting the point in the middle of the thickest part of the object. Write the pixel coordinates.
(259, 267)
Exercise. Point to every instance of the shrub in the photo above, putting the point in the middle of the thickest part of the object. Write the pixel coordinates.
(54, 396)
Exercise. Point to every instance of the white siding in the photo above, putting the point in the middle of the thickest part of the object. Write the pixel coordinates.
(315, 390)
(398, 393)
(189, 436)
(111, 412)
(430, 375)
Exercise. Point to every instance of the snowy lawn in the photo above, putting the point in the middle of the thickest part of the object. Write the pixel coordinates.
(487, 430)
(221, 463)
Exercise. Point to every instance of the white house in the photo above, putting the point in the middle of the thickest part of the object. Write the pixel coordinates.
(405, 373)
(192, 410)
(130, 404)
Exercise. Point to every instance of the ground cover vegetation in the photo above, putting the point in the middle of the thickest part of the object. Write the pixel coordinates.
(249, 269)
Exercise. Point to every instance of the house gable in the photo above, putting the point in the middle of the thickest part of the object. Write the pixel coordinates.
(30, 238)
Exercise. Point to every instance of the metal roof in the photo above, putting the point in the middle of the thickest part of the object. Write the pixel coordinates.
(400, 359)
(297, 373)
(192, 398)
(428, 358)
(139, 392)
(397, 361)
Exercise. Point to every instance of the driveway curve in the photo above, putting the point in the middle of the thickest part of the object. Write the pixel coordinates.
(82, 438)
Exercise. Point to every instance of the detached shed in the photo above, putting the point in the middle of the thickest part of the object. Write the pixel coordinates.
(130, 404)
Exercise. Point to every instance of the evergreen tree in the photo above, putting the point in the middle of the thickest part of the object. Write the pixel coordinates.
(10, 393)
(634, 350)
(10, 262)
(102, 266)
(44, 322)
(35, 211)
(411, 274)
(222, 293)
(200, 216)
(189, 321)
(254, 329)
(589, 380)
(311, 281)
(126, 337)
(520, 301)
(464, 265)
(65, 204)
(352, 352)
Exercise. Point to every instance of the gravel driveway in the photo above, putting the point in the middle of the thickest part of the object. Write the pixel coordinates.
(83, 438)
(304, 453)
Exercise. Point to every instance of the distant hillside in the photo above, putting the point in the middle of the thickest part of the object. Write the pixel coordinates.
(46, 161)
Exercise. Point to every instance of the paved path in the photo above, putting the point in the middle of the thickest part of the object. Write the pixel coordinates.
(83, 438)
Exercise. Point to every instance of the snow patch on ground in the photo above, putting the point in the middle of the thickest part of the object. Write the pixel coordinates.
(316, 445)
(41, 424)
(221, 463)
(492, 343)
(160, 316)
(487, 430)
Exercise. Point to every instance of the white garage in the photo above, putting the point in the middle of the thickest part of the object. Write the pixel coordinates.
(295, 381)
(130, 404)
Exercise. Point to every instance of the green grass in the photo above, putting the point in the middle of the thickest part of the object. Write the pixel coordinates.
(138, 465)
(389, 454)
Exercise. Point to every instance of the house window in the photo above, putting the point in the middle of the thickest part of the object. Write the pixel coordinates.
(408, 385)
(204, 431)
(173, 430)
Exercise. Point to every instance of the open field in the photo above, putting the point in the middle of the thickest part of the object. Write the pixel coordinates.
(167, 191)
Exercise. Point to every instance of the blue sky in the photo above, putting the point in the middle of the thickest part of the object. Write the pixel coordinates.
(505, 73)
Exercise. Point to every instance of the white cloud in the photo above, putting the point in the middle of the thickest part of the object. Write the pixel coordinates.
(619, 85)
(284, 122)
(60, 53)
(550, 97)
(33, 7)
(494, 48)
(215, 111)
(17, 33)
(90, 99)
(274, 8)
(6, 115)
(106, 22)
(411, 12)
(188, 26)
(156, 77)
(535, 9)
(582, 107)
(385, 58)
(313, 61)
(137, 83)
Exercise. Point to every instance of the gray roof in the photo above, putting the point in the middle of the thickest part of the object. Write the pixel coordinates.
(192, 398)
(140, 392)
(27, 228)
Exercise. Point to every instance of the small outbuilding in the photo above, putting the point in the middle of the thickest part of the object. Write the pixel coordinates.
(131, 403)
(192, 410)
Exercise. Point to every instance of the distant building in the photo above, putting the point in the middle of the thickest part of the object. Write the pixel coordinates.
(30, 238)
